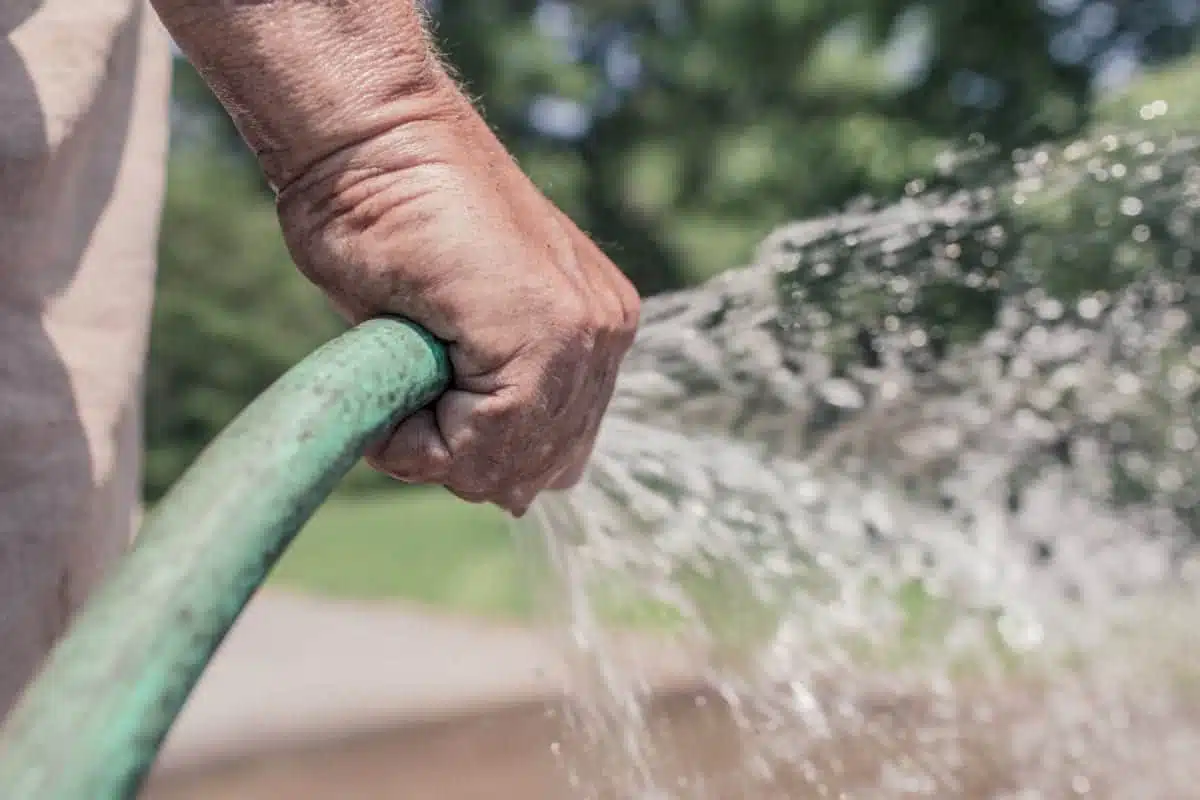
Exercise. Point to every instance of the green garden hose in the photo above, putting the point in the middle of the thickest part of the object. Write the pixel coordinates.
(91, 725)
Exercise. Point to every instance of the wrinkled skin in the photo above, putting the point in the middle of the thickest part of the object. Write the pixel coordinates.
(395, 197)
(437, 223)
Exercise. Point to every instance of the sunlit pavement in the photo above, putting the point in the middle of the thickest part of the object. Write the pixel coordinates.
(300, 670)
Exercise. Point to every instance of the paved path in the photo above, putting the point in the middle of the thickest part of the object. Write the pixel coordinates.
(297, 669)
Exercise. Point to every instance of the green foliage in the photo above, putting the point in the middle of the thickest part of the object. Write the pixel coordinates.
(750, 114)
(232, 313)
(1092, 213)
(423, 545)
(1163, 101)
(1093, 241)
(746, 115)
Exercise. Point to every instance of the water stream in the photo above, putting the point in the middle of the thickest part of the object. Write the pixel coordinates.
(919, 486)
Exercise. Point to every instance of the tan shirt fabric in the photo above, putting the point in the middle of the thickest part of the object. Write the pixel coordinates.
(84, 88)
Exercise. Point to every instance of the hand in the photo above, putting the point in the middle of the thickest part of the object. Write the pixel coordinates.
(432, 220)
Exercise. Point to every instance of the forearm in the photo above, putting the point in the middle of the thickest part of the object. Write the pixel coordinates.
(306, 78)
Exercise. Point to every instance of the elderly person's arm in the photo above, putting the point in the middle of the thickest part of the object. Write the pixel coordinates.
(395, 196)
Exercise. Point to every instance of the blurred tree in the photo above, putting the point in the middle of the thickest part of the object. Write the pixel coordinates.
(231, 312)
(680, 131)
(677, 132)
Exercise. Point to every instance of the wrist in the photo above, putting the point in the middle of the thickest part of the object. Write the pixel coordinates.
(303, 79)
(319, 135)
(387, 187)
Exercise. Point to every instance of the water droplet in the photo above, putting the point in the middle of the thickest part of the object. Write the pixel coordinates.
(1184, 439)
(745, 472)
(1050, 309)
(1021, 634)
(1169, 480)
(1183, 378)
(1090, 307)
(1128, 384)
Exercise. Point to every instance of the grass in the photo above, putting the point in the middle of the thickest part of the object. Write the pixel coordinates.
(416, 544)
(424, 546)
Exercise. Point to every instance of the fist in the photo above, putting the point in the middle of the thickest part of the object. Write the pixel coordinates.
(432, 220)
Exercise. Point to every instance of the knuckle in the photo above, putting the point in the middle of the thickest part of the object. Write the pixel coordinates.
(614, 322)
(631, 314)
(619, 331)
(573, 318)
(567, 352)
(633, 311)
(486, 419)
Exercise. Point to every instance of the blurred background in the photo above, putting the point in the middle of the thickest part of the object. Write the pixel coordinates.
(677, 133)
